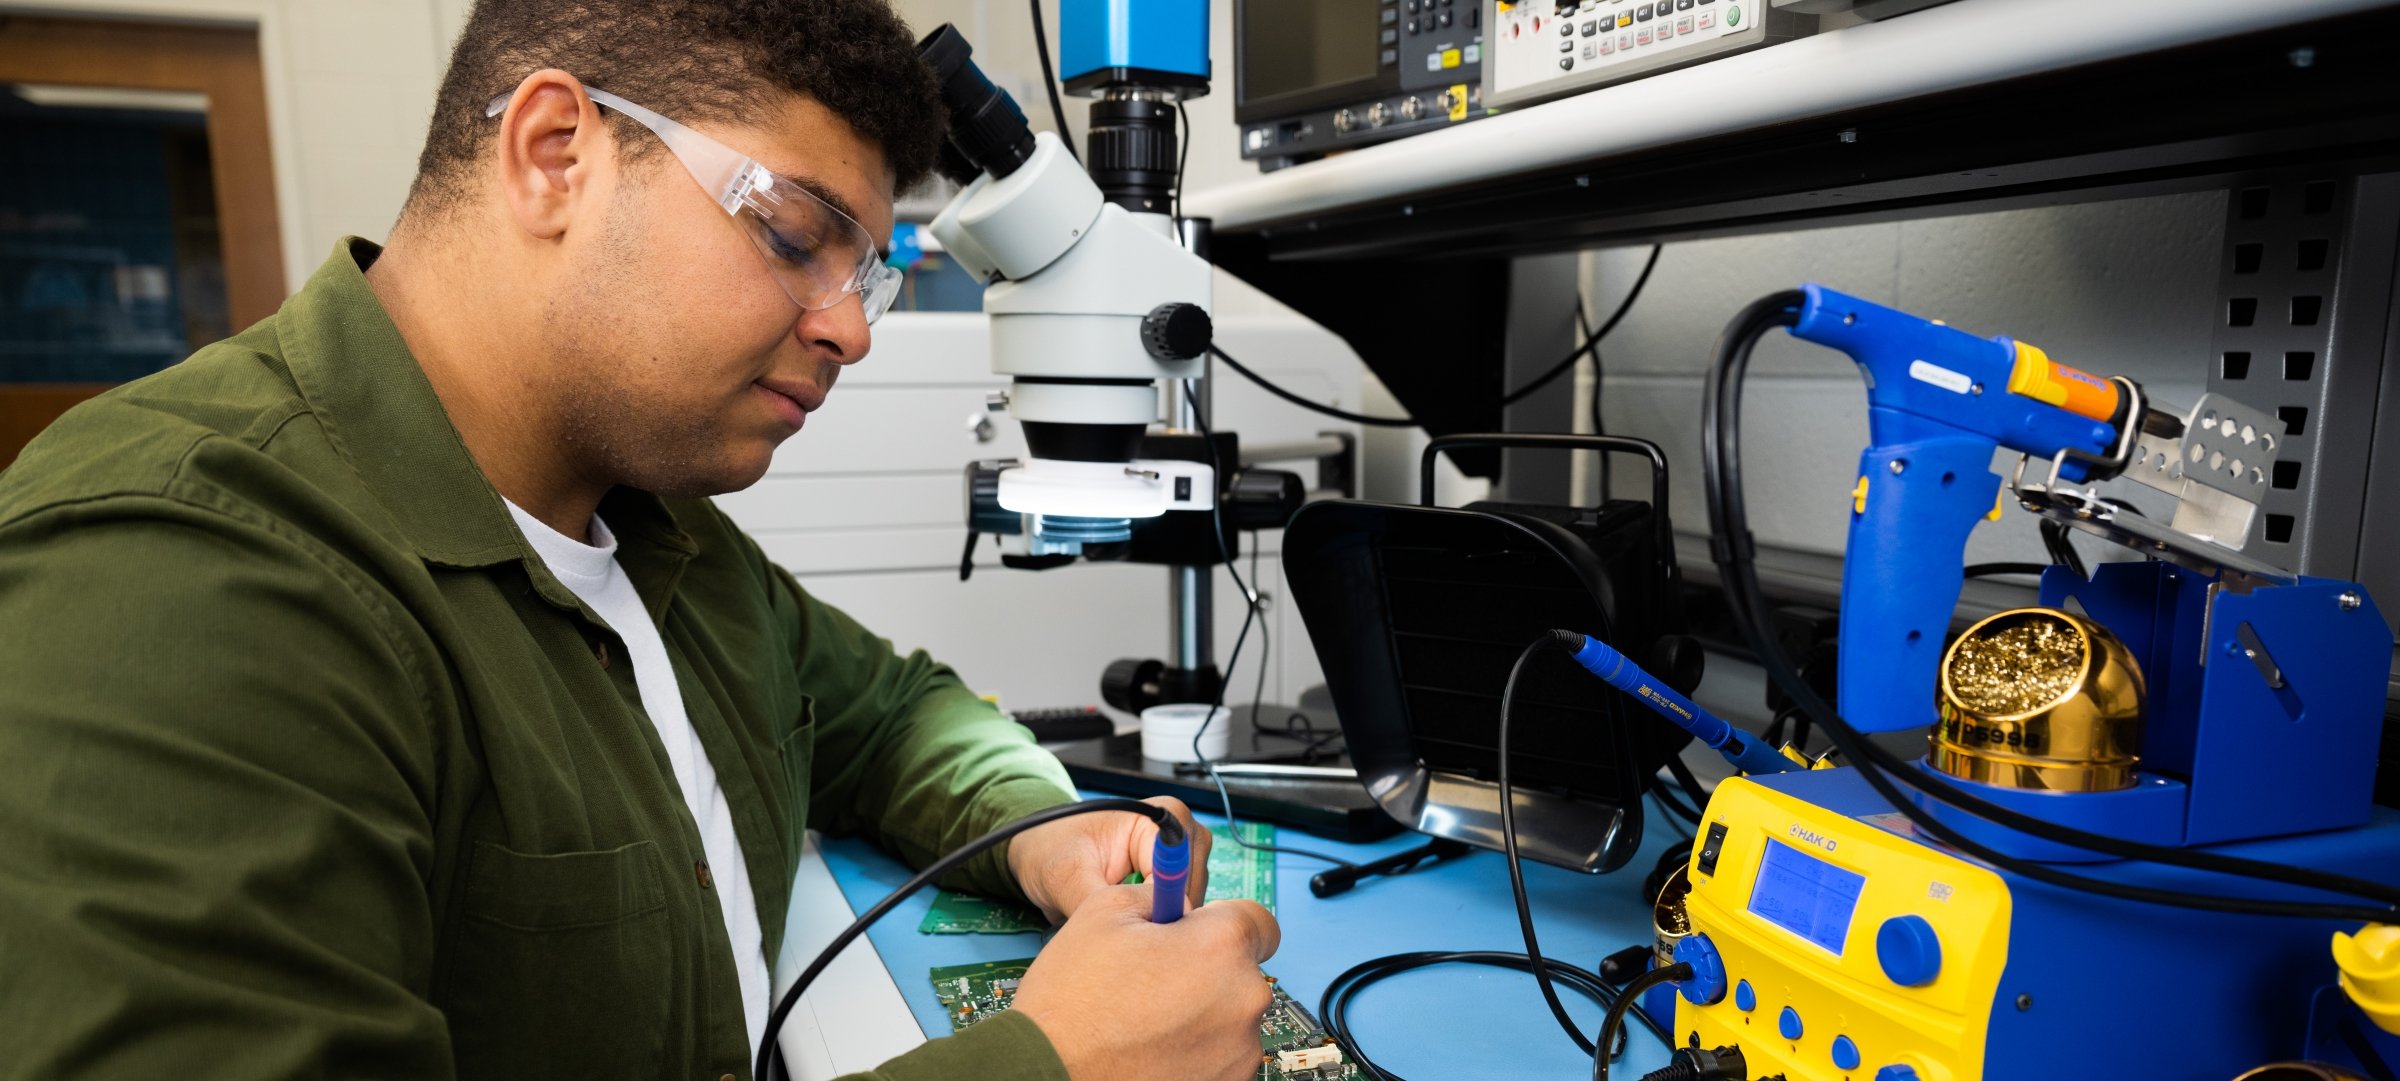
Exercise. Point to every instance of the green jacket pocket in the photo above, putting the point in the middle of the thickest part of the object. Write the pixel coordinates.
(565, 964)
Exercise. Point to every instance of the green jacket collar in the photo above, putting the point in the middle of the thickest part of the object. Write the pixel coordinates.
(357, 374)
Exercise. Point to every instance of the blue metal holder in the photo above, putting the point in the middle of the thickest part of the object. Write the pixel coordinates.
(2234, 746)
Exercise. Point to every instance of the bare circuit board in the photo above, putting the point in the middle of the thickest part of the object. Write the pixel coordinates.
(1292, 1045)
(1233, 871)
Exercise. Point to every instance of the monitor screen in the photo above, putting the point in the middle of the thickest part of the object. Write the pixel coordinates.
(1805, 895)
(1295, 45)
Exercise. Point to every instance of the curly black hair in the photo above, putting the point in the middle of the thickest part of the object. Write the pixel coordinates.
(694, 60)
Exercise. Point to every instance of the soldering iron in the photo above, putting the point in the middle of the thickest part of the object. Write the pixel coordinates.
(1747, 753)
(1170, 861)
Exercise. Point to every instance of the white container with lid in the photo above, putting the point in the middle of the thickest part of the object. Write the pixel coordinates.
(1167, 732)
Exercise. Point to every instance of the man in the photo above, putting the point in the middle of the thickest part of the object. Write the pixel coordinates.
(381, 696)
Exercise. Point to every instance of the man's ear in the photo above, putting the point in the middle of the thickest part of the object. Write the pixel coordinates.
(551, 153)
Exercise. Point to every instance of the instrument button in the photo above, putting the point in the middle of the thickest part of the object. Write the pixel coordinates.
(1707, 985)
(1789, 1023)
(1908, 950)
(1845, 1053)
(1744, 999)
(1895, 1073)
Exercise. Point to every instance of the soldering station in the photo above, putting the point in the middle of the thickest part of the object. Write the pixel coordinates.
(2125, 826)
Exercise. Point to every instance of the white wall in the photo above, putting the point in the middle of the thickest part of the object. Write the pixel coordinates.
(349, 88)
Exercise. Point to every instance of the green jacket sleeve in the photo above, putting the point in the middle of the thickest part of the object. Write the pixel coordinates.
(214, 786)
(1009, 1047)
(905, 752)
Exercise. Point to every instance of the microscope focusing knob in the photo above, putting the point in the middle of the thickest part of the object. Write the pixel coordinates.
(1177, 331)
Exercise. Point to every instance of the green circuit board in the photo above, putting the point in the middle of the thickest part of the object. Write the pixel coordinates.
(1292, 1046)
(1233, 871)
(955, 913)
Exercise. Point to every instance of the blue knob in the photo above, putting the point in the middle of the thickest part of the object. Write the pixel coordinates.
(1744, 999)
(1845, 1054)
(1707, 985)
(1910, 952)
(1789, 1023)
(1896, 1073)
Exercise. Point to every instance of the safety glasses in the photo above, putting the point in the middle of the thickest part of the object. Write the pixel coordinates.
(818, 254)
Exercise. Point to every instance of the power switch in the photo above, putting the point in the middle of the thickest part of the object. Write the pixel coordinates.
(1711, 847)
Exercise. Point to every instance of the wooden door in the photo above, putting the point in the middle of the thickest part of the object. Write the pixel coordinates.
(137, 205)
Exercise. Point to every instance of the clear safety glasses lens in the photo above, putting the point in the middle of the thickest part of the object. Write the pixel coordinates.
(818, 254)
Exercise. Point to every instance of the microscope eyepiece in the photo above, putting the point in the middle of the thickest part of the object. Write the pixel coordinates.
(987, 129)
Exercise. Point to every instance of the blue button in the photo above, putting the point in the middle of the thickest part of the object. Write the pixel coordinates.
(1744, 999)
(1911, 954)
(1845, 1054)
(1789, 1023)
(1896, 1073)
(1707, 985)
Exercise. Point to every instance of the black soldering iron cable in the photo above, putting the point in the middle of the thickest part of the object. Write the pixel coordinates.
(1630, 999)
(770, 1050)
(1216, 526)
(1569, 642)
(1733, 549)
(1334, 1006)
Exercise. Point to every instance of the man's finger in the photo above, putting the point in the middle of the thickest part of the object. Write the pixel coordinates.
(1253, 926)
(1197, 888)
(1116, 902)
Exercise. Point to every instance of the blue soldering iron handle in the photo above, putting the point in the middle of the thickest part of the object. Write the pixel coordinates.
(1902, 573)
(1170, 867)
(1747, 753)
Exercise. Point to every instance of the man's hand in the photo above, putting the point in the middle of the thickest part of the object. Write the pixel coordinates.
(1061, 863)
(1119, 996)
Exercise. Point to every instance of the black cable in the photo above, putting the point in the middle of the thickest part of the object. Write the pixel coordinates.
(1669, 802)
(1682, 772)
(1734, 551)
(1986, 570)
(2061, 549)
(1627, 999)
(1183, 157)
(1317, 407)
(1058, 111)
(1590, 345)
(1333, 1007)
(1568, 641)
(1568, 362)
(1216, 526)
(770, 1050)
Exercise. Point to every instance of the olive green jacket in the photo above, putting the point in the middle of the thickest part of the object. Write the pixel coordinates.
(309, 768)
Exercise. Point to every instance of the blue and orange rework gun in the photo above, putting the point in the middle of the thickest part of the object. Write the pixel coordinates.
(1940, 402)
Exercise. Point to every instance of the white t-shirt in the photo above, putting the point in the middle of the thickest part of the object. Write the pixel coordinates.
(593, 575)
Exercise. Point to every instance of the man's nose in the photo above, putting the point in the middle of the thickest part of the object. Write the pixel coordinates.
(838, 332)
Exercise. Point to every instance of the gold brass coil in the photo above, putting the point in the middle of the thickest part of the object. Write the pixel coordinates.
(2040, 698)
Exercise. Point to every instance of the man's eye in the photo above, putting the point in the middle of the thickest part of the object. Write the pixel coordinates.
(792, 249)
